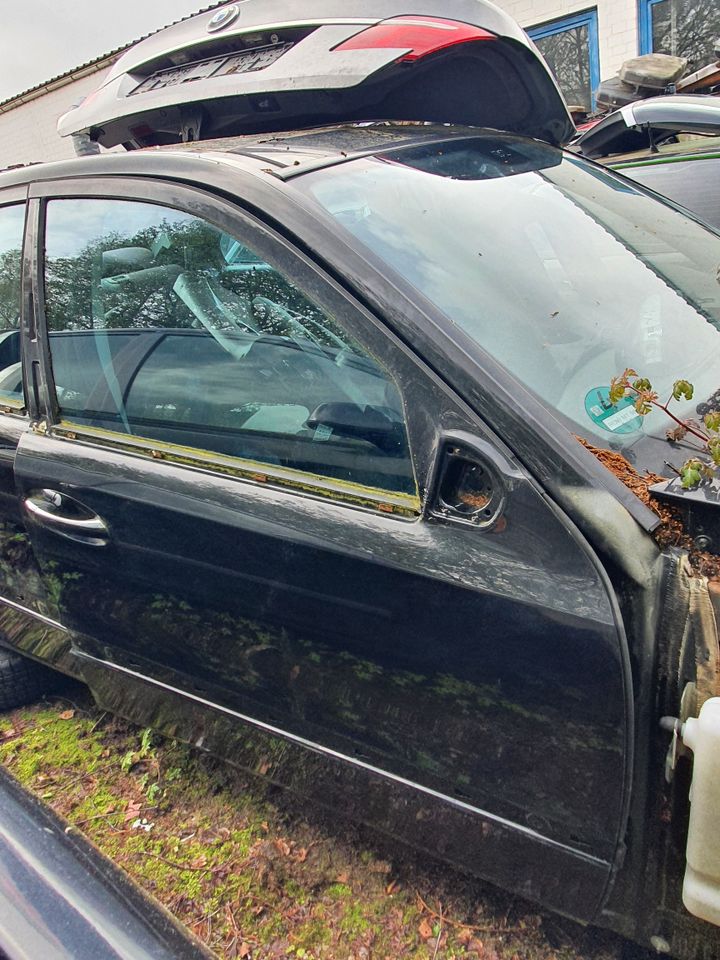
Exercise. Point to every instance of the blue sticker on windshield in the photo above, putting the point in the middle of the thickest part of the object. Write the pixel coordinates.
(620, 417)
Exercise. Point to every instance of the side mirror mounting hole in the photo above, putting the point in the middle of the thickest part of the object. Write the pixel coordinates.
(468, 490)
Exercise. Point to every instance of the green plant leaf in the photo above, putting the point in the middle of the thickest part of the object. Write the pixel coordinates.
(146, 741)
(642, 384)
(712, 420)
(714, 450)
(617, 390)
(682, 388)
(691, 473)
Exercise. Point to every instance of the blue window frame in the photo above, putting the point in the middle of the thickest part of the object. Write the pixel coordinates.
(570, 48)
(645, 37)
(678, 27)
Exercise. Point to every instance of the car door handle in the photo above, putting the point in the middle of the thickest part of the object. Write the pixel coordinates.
(58, 510)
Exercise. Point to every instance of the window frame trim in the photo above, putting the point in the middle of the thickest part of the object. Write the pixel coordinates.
(583, 18)
(14, 197)
(222, 213)
(645, 44)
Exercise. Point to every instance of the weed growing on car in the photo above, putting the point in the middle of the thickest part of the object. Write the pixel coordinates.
(704, 436)
(255, 874)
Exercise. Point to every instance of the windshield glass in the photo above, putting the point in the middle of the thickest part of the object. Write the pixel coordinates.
(563, 272)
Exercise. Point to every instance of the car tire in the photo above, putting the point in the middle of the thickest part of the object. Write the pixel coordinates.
(22, 680)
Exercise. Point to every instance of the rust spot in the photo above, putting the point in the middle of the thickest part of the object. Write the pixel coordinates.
(477, 500)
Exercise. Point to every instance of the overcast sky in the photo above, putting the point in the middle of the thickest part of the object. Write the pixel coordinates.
(41, 39)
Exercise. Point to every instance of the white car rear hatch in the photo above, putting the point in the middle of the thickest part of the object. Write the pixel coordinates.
(269, 65)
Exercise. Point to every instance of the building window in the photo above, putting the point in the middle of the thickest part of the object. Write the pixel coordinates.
(570, 49)
(683, 28)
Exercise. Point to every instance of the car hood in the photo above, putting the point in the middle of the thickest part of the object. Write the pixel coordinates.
(263, 65)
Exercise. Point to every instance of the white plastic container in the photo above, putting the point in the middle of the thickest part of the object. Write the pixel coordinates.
(701, 888)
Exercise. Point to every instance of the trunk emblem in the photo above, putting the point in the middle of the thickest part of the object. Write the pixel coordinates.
(223, 18)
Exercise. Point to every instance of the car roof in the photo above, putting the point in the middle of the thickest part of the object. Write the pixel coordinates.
(282, 156)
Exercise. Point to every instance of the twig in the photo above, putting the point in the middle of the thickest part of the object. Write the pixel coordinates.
(440, 930)
(459, 923)
(664, 408)
(98, 816)
(171, 863)
(99, 720)
(79, 779)
(182, 866)
(72, 704)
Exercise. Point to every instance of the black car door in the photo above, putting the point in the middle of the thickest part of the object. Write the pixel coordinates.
(244, 488)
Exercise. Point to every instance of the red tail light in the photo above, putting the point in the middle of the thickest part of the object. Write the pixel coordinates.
(419, 36)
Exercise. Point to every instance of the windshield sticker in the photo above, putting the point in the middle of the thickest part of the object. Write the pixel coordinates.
(618, 417)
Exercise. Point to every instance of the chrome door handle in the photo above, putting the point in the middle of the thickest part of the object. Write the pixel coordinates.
(57, 509)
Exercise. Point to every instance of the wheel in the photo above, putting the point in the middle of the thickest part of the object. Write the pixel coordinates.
(22, 680)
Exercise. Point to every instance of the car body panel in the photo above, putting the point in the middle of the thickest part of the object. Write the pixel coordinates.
(554, 590)
(63, 899)
(269, 573)
(500, 81)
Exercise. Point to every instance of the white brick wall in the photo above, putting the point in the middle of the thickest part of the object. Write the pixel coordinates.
(28, 132)
(617, 24)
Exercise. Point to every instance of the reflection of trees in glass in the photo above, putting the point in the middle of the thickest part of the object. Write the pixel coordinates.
(568, 56)
(79, 291)
(10, 262)
(127, 281)
(686, 28)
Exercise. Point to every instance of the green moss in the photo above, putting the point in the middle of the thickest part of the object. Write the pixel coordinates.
(215, 853)
(338, 891)
(98, 803)
(311, 935)
(354, 923)
(51, 744)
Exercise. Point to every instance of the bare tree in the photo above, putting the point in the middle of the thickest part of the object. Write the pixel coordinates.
(686, 28)
(568, 56)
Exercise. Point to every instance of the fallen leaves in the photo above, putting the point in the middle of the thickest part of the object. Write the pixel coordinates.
(132, 810)
(425, 930)
(247, 878)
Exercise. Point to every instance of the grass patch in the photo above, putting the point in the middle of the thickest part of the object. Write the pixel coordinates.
(256, 876)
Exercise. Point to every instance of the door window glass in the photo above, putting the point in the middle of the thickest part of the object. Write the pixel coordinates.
(166, 328)
(683, 28)
(12, 220)
(570, 49)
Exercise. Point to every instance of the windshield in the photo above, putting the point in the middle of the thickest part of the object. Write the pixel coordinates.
(563, 272)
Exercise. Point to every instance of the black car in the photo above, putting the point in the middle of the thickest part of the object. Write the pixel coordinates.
(291, 470)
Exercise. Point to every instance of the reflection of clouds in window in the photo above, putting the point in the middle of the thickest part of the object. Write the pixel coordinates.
(73, 224)
(562, 278)
(163, 327)
(11, 233)
(11, 227)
